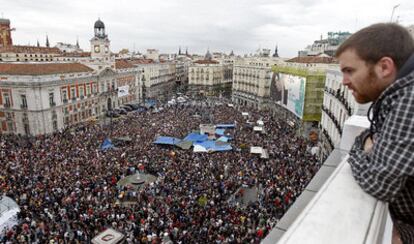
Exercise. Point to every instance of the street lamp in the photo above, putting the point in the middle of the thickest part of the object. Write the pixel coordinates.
(393, 10)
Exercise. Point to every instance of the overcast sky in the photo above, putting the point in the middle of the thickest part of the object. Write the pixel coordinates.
(221, 25)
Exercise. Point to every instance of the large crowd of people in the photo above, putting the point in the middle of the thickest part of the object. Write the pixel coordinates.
(66, 186)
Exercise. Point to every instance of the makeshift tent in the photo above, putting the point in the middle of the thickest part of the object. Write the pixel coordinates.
(259, 150)
(228, 126)
(166, 140)
(207, 129)
(256, 150)
(150, 102)
(223, 139)
(260, 122)
(245, 114)
(199, 148)
(220, 132)
(230, 105)
(258, 128)
(194, 137)
(109, 236)
(211, 146)
(8, 214)
(107, 144)
(265, 154)
(184, 145)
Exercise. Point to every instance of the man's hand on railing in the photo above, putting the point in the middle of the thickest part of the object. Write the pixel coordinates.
(368, 144)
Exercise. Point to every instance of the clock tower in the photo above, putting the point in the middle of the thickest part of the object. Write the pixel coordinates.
(100, 42)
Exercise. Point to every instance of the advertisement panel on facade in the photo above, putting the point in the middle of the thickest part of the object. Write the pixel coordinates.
(289, 91)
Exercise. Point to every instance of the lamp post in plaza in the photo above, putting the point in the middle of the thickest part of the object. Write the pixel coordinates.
(393, 10)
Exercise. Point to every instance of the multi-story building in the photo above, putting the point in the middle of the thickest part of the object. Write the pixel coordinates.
(158, 78)
(338, 105)
(40, 98)
(326, 46)
(296, 89)
(210, 77)
(251, 81)
(28, 54)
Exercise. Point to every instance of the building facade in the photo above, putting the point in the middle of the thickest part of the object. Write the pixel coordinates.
(297, 89)
(28, 54)
(251, 81)
(210, 77)
(338, 105)
(44, 97)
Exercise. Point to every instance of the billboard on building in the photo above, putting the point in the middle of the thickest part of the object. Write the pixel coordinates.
(123, 91)
(289, 91)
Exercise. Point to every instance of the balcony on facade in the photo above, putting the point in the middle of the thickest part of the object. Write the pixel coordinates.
(333, 118)
(339, 95)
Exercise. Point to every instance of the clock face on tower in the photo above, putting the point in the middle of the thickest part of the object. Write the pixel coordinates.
(97, 49)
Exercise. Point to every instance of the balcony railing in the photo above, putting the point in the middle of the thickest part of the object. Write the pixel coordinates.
(333, 208)
(333, 118)
(339, 95)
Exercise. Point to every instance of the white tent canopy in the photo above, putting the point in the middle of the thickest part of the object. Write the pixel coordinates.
(8, 214)
(258, 128)
(109, 236)
(259, 150)
(256, 150)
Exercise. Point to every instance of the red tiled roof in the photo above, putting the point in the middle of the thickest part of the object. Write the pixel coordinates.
(123, 64)
(42, 69)
(313, 59)
(204, 61)
(141, 61)
(29, 49)
(75, 54)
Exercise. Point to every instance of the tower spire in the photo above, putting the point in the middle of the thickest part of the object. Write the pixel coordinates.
(276, 54)
(47, 41)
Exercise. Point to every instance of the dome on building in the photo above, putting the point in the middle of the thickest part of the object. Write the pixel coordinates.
(99, 24)
(208, 55)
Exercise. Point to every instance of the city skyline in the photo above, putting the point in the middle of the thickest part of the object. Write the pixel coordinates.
(241, 26)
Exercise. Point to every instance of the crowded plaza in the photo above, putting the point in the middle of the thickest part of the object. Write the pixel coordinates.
(67, 185)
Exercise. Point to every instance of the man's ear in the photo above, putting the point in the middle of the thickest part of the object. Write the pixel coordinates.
(386, 68)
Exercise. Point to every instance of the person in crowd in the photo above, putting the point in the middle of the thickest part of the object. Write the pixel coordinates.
(67, 187)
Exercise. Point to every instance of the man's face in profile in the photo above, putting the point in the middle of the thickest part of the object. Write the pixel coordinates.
(358, 76)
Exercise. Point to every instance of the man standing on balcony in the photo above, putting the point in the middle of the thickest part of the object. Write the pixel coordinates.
(377, 63)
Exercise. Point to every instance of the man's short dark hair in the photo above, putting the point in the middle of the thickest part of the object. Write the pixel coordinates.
(380, 40)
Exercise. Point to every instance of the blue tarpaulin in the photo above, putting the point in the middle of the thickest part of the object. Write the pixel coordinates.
(223, 139)
(195, 137)
(166, 140)
(107, 144)
(150, 102)
(210, 145)
(220, 132)
(225, 126)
